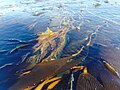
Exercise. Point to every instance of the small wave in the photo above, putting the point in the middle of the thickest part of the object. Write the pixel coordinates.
(3, 51)
(18, 47)
(13, 40)
(8, 64)
(20, 41)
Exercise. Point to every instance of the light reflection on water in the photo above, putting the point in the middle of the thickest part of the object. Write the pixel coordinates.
(18, 20)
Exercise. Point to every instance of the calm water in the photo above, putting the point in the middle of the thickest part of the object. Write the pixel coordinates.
(21, 20)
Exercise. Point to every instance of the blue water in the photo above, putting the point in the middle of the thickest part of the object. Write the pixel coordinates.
(19, 22)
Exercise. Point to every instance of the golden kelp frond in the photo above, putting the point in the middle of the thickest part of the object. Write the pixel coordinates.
(85, 71)
(40, 86)
(90, 37)
(48, 32)
(53, 81)
(78, 52)
(52, 85)
(109, 67)
(27, 72)
(78, 67)
(64, 23)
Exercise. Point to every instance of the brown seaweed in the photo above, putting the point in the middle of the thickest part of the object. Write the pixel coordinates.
(51, 44)
(43, 71)
(88, 82)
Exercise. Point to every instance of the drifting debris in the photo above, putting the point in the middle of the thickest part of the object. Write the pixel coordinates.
(60, 6)
(78, 27)
(38, 13)
(96, 4)
(81, 10)
(51, 7)
(106, 1)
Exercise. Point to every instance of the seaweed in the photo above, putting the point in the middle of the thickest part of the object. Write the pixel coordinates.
(50, 44)
(97, 4)
(44, 71)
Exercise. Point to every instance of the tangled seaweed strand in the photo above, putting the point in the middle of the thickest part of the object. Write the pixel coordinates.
(50, 45)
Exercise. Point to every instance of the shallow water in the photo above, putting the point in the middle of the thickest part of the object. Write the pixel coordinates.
(20, 21)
